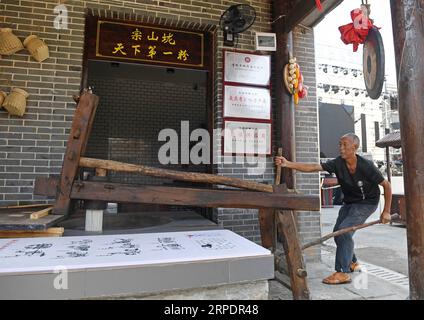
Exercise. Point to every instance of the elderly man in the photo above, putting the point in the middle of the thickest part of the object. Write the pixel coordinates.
(359, 179)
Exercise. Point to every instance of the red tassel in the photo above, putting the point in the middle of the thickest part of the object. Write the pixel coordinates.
(319, 5)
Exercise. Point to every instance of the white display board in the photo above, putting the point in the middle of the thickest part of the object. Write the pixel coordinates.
(247, 102)
(243, 137)
(247, 68)
(75, 253)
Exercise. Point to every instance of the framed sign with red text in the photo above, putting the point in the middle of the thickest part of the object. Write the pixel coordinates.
(245, 137)
(247, 102)
(247, 68)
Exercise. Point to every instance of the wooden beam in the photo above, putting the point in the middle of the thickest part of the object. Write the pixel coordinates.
(408, 33)
(295, 264)
(345, 230)
(50, 232)
(266, 226)
(80, 130)
(26, 206)
(172, 174)
(113, 192)
(283, 99)
(20, 220)
(267, 216)
(306, 13)
(41, 213)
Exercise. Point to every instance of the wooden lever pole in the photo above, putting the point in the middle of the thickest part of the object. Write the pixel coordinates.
(278, 173)
(343, 231)
(275, 217)
(172, 174)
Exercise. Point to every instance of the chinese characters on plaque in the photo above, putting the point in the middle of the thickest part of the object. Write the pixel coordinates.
(242, 137)
(150, 44)
(247, 103)
(247, 68)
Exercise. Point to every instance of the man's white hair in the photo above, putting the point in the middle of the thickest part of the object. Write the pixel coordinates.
(354, 137)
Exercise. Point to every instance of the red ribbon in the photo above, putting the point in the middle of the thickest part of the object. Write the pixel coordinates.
(318, 4)
(356, 32)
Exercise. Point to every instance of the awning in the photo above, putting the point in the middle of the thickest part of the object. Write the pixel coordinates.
(390, 140)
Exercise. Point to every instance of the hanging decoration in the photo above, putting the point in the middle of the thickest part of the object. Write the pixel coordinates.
(37, 48)
(15, 102)
(9, 43)
(293, 80)
(318, 4)
(356, 32)
(363, 31)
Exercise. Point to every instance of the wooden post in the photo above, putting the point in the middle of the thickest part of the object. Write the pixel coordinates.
(408, 33)
(266, 225)
(295, 264)
(80, 131)
(283, 99)
(94, 217)
(285, 130)
(389, 171)
(267, 217)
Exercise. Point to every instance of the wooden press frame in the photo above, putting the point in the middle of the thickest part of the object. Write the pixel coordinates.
(276, 203)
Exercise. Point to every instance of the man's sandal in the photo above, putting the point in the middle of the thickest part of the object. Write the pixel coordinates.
(337, 278)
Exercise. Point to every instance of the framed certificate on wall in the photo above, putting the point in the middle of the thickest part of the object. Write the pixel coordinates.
(247, 102)
(247, 68)
(245, 137)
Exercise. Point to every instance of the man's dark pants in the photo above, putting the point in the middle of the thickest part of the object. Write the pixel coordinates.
(349, 215)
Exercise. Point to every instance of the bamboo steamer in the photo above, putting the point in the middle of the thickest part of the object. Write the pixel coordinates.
(9, 43)
(3, 96)
(15, 102)
(37, 48)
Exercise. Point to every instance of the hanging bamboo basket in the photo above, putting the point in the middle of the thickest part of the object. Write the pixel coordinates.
(9, 43)
(37, 48)
(3, 96)
(15, 102)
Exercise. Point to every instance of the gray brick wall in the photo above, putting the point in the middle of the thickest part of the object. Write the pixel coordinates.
(34, 145)
(130, 116)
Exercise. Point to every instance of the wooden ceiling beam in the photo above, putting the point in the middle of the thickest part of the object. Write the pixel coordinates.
(306, 13)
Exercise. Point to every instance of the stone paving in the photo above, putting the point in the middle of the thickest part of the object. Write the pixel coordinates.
(364, 286)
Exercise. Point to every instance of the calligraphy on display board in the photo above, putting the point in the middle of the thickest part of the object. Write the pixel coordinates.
(151, 44)
(45, 254)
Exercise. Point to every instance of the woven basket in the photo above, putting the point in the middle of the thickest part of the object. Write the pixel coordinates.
(37, 48)
(9, 43)
(15, 102)
(3, 96)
